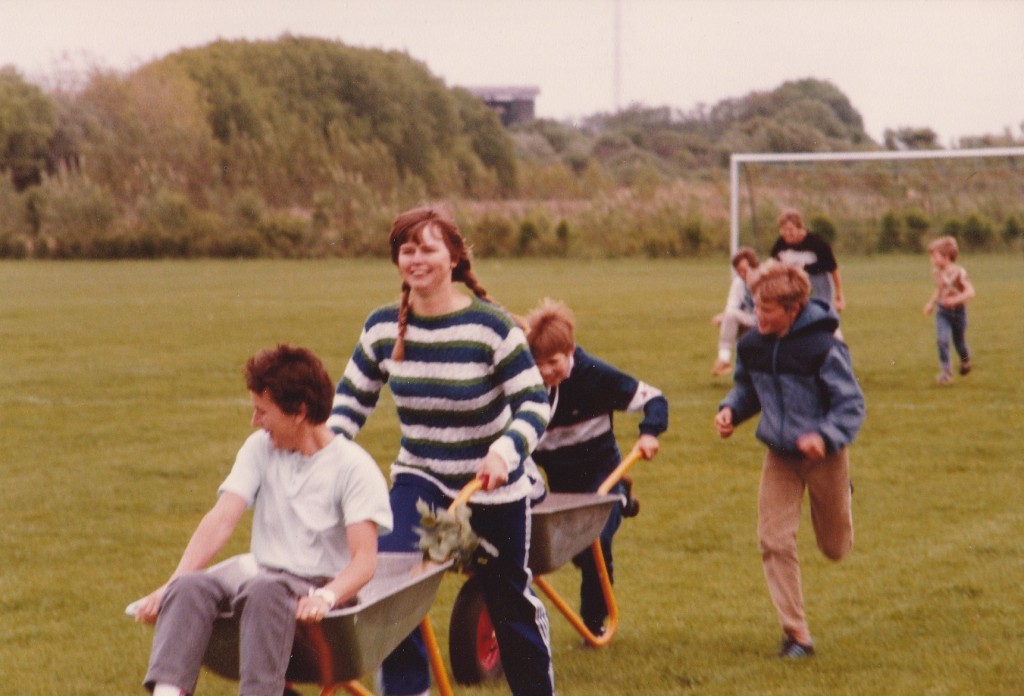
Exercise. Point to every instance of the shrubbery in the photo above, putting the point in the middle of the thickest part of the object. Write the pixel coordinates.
(308, 148)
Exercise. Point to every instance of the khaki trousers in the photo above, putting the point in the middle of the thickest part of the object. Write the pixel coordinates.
(783, 480)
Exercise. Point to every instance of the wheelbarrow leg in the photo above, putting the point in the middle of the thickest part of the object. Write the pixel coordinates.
(574, 618)
(436, 661)
(436, 666)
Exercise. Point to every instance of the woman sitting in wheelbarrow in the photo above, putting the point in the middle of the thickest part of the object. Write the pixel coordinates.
(319, 502)
(578, 450)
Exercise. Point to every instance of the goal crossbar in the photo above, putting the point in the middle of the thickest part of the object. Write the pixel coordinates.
(737, 159)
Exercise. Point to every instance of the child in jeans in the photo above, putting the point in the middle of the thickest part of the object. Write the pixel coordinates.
(797, 373)
(952, 290)
(578, 450)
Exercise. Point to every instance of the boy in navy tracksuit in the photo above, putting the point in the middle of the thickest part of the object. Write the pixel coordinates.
(797, 373)
(578, 450)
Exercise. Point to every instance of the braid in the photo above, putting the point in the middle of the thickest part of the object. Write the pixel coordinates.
(466, 275)
(398, 352)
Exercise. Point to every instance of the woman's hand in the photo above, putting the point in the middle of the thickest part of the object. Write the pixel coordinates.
(492, 472)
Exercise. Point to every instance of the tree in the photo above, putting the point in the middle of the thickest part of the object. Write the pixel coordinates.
(146, 132)
(28, 122)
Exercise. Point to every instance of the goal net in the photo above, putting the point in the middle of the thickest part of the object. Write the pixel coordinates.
(881, 201)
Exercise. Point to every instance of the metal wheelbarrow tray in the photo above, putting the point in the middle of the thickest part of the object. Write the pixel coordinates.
(350, 641)
(564, 524)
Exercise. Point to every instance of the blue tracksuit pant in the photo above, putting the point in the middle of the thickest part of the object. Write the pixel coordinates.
(520, 619)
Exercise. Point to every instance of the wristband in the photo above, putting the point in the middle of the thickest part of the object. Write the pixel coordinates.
(326, 595)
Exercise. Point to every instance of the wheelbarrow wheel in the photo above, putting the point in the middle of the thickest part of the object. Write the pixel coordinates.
(472, 645)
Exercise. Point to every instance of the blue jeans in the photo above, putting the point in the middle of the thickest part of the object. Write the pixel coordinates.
(519, 617)
(951, 324)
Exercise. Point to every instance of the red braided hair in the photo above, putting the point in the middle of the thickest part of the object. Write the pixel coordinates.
(409, 227)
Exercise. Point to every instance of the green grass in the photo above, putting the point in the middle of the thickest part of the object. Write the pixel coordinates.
(122, 406)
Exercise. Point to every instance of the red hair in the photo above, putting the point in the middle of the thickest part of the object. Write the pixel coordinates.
(292, 377)
(409, 227)
(551, 329)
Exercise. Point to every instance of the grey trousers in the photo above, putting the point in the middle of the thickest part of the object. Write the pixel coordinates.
(266, 604)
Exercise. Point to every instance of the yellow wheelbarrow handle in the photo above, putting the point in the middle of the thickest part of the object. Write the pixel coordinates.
(466, 493)
(613, 478)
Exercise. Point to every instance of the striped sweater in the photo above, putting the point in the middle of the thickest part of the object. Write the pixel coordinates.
(467, 386)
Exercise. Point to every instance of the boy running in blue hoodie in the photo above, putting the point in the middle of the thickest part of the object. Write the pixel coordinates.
(798, 375)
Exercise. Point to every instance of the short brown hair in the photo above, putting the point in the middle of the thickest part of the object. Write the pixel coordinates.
(292, 377)
(745, 253)
(946, 246)
(791, 215)
(550, 329)
(778, 282)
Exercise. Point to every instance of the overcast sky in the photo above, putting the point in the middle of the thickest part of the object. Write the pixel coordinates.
(956, 66)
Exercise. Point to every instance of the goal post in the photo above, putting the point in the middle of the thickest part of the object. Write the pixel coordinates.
(736, 160)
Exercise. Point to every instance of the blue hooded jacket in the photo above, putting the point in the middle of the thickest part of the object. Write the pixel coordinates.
(802, 382)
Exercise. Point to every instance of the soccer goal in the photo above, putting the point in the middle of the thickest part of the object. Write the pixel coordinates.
(1010, 189)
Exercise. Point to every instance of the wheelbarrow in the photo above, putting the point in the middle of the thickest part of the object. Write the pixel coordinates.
(563, 525)
(351, 641)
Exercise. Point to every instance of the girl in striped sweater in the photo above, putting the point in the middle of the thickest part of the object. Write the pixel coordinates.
(471, 404)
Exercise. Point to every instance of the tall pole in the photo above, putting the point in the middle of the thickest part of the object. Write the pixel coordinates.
(734, 205)
(617, 77)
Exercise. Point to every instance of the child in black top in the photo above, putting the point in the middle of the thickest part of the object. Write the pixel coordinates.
(578, 450)
(811, 252)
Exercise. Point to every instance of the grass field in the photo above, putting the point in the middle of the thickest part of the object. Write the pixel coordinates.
(122, 406)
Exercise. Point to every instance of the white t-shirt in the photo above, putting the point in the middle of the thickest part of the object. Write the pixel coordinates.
(302, 505)
(739, 299)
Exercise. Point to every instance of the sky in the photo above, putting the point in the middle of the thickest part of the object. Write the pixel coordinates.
(955, 66)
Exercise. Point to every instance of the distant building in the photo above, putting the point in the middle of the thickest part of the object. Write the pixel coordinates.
(512, 104)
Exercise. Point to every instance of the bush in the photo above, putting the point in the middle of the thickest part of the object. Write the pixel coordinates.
(12, 209)
(1012, 229)
(692, 236)
(822, 225)
(529, 236)
(13, 246)
(71, 213)
(889, 235)
(165, 212)
(285, 234)
(916, 227)
(248, 209)
(977, 233)
(954, 228)
(238, 244)
(493, 235)
(563, 236)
